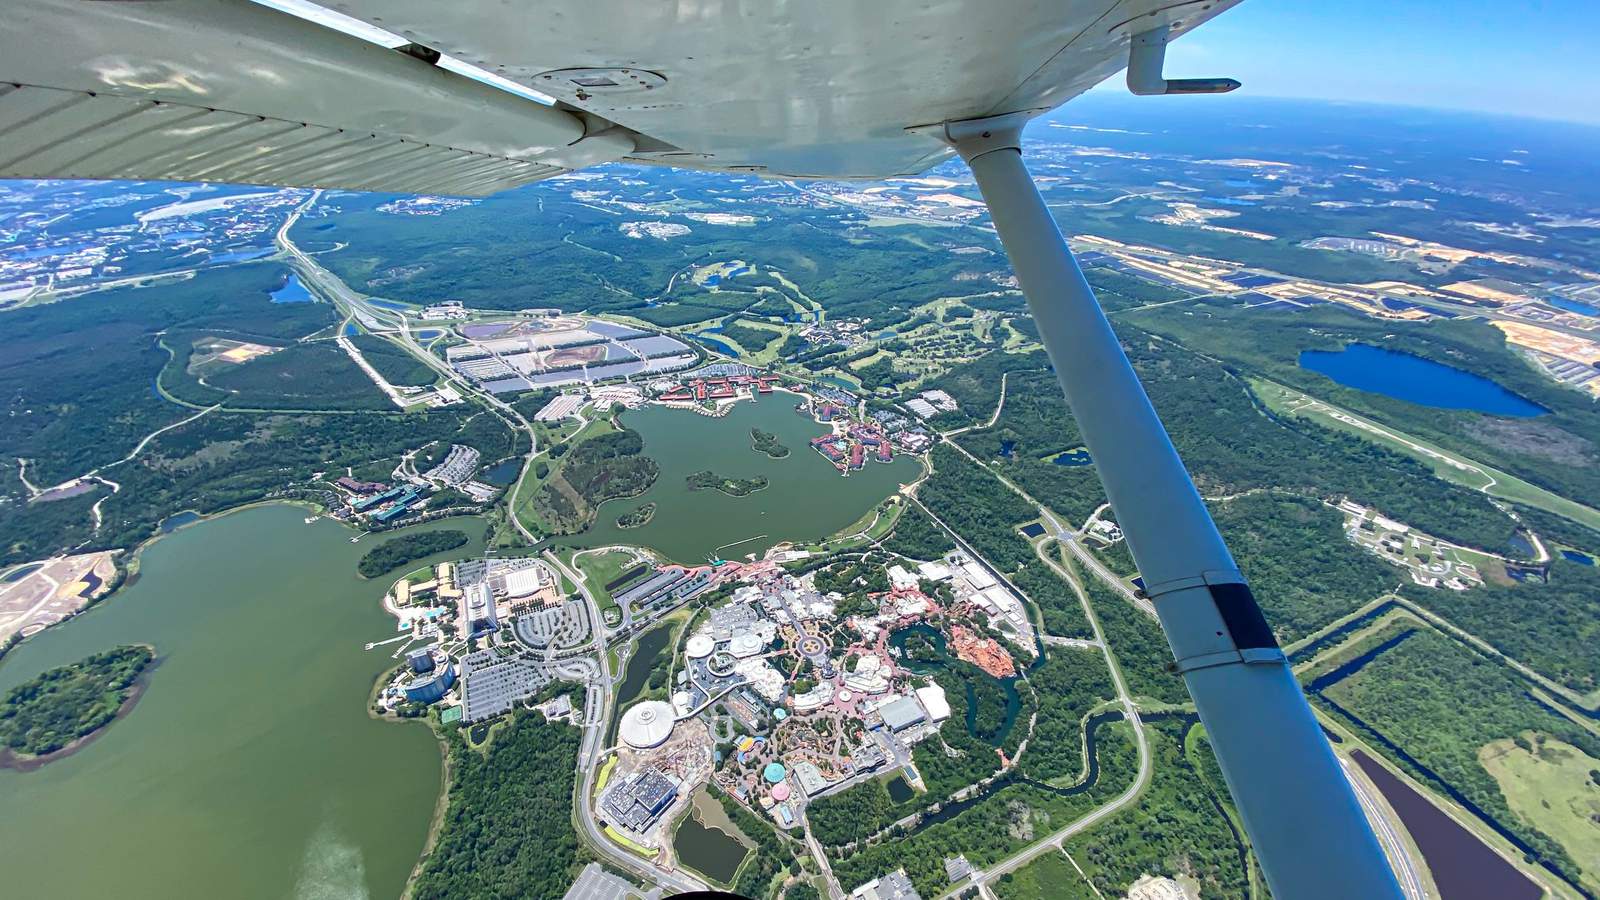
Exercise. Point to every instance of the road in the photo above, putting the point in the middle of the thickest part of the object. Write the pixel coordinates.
(1069, 539)
(1394, 846)
(983, 877)
(591, 752)
(394, 324)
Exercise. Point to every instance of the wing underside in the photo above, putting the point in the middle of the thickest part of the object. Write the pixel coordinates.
(232, 91)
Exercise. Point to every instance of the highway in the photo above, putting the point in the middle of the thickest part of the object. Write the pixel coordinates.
(394, 324)
(591, 752)
(1069, 539)
(1394, 846)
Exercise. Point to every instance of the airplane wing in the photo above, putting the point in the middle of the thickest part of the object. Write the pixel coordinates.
(234, 91)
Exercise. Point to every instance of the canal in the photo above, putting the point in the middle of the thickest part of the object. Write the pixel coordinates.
(249, 768)
(806, 498)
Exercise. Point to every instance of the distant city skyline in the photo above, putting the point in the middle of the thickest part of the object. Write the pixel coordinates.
(1522, 59)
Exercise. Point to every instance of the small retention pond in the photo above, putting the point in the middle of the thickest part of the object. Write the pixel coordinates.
(1416, 380)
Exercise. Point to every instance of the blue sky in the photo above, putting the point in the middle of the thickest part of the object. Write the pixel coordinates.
(1531, 58)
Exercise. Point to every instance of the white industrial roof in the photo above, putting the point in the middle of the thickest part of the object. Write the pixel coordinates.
(932, 700)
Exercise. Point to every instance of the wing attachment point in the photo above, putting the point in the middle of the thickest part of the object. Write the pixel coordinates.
(1147, 53)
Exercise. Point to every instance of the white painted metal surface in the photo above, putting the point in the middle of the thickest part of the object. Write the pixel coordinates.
(1303, 820)
(820, 88)
(227, 90)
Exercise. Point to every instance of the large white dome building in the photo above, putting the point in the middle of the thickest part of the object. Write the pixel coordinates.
(646, 724)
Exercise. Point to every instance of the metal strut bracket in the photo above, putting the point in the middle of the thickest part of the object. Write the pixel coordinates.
(1147, 53)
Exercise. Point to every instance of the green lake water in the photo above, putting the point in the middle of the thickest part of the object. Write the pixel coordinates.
(249, 768)
(806, 499)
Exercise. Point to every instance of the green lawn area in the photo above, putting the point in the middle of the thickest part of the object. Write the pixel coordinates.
(601, 569)
(1553, 785)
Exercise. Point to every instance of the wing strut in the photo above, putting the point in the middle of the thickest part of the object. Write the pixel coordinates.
(1300, 812)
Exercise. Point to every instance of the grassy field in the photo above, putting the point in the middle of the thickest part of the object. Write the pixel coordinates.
(602, 568)
(1446, 465)
(1051, 875)
(1555, 787)
(525, 510)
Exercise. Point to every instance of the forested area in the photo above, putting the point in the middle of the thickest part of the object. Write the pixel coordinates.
(601, 468)
(1557, 451)
(227, 459)
(752, 339)
(917, 536)
(1068, 685)
(102, 355)
(1050, 876)
(508, 829)
(396, 365)
(1177, 827)
(1137, 641)
(876, 274)
(979, 507)
(1553, 627)
(396, 552)
(985, 513)
(317, 377)
(1441, 703)
(856, 813)
(1033, 427)
(975, 386)
(1228, 442)
(772, 857)
(1301, 568)
(996, 826)
(1059, 608)
(50, 711)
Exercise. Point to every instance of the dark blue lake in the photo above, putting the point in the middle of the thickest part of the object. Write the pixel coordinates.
(1416, 380)
(717, 344)
(292, 292)
(1582, 559)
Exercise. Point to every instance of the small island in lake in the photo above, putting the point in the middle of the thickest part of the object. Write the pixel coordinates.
(733, 487)
(767, 442)
(55, 713)
(637, 517)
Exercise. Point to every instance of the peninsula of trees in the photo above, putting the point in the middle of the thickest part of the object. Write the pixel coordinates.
(396, 552)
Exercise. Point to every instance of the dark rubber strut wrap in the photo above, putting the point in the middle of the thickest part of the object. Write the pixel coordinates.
(1246, 625)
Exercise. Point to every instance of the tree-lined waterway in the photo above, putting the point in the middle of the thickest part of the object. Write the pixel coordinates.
(249, 768)
(806, 498)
